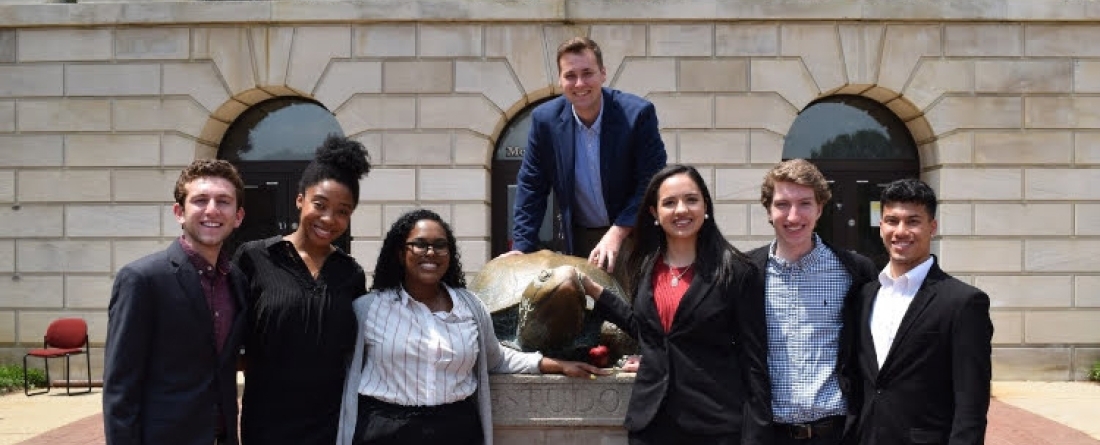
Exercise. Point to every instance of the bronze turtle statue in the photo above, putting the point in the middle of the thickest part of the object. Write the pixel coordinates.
(535, 308)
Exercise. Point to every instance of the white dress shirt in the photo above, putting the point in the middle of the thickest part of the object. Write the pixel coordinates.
(416, 357)
(891, 303)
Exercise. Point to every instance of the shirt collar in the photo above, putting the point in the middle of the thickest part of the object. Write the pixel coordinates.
(278, 240)
(595, 124)
(199, 262)
(458, 309)
(811, 258)
(910, 281)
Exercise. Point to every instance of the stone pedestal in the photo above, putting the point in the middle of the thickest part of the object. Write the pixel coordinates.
(554, 409)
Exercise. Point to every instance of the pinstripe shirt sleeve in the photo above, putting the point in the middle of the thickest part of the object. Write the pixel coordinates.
(500, 360)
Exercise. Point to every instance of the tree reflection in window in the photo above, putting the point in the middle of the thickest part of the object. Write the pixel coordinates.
(848, 127)
(279, 129)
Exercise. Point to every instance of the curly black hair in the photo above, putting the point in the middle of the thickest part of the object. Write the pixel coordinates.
(338, 158)
(389, 270)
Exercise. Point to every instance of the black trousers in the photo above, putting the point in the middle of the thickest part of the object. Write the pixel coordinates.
(381, 423)
(827, 431)
(664, 431)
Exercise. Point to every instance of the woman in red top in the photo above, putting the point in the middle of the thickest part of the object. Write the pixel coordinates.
(688, 283)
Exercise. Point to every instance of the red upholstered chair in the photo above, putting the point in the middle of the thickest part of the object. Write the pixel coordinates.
(65, 337)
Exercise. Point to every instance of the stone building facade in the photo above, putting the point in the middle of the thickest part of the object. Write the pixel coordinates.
(101, 104)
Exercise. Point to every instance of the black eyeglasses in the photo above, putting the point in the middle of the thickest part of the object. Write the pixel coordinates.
(420, 247)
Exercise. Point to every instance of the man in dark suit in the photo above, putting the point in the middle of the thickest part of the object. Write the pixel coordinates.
(175, 323)
(925, 337)
(596, 148)
(800, 337)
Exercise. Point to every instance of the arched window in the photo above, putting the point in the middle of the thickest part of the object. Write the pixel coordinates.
(279, 129)
(507, 158)
(860, 146)
(848, 127)
(271, 143)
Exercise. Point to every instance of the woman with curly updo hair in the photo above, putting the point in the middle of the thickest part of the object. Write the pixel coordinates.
(425, 347)
(302, 328)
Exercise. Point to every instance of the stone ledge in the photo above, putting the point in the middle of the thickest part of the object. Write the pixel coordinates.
(93, 13)
(560, 401)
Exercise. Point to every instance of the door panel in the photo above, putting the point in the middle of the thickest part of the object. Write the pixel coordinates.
(850, 220)
(269, 202)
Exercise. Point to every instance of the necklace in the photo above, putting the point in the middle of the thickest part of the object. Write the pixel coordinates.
(676, 276)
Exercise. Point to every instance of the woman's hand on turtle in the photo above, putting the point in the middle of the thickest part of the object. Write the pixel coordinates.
(571, 368)
(582, 370)
(591, 288)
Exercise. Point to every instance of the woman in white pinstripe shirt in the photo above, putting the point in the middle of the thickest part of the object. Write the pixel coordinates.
(426, 347)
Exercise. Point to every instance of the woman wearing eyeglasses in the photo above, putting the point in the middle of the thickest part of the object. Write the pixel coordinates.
(301, 326)
(425, 347)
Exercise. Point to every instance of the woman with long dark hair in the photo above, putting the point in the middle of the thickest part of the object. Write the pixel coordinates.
(302, 328)
(688, 282)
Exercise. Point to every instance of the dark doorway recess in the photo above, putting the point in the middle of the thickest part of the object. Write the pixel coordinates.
(860, 146)
(270, 144)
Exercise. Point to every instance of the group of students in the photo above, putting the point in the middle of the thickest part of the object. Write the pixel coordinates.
(795, 342)
(792, 343)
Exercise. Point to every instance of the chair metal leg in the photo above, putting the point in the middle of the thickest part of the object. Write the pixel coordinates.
(88, 357)
(68, 376)
(26, 380)
(68, 383)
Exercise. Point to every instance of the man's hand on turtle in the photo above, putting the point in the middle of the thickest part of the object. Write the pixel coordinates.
(607, 251)
(510, 253)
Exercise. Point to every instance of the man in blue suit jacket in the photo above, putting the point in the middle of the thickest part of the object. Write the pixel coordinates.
(597, 149)
(175, 324)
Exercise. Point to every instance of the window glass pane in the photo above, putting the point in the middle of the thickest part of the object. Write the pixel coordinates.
(513, 141)
(848, 127)
(280, 129)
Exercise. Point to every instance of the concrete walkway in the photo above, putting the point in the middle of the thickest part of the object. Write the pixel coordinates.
(1022, 413)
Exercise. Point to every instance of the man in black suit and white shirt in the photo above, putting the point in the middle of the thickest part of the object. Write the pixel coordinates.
(925, 338)
(175, 323)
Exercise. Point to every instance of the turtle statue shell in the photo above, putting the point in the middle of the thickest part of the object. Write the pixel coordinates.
(534, 309)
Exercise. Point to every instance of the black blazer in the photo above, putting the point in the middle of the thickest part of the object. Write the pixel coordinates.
(696, 369)
(162, 375)
(758, 424)
(933, 387)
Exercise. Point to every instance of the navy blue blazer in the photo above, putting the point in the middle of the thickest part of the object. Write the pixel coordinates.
(631, 151)
(162, 375)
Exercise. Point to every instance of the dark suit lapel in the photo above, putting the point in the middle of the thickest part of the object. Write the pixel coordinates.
(644, 297)
(698, 291)
(920, 302)
(188, 279)
(613, 134)
(866, 339)
(564, 138)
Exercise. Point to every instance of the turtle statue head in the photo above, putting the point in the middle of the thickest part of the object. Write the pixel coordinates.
(536, 305)
(551, 310)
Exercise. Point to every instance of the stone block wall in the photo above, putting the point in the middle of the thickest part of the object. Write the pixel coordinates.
(101, 104)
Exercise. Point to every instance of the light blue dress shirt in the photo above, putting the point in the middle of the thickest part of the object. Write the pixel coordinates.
(591, 211)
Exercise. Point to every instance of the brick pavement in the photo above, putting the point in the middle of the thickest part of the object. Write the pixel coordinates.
(1008, 425)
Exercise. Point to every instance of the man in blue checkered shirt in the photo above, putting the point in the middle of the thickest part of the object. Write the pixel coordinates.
(800, 337)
